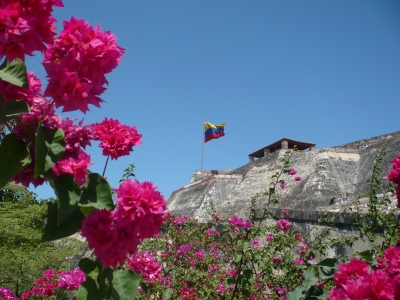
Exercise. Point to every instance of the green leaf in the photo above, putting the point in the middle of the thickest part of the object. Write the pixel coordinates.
(68, 193)
(366, 255)
(126, 284)
(94, 287)
(14, 157)
(328, 267)
(69, 226)
(97, 190)
(296, 294)
(167, 294)
(12, 109)
(309, 279)
(86, 209)
(328, 262)
(50, 147)
(237, 257)
(323, 296)
(246, 245)
(14, 73)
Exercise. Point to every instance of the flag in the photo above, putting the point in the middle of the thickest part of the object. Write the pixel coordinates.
(212, 131)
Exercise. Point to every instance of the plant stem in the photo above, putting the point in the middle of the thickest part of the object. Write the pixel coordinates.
(105, 166)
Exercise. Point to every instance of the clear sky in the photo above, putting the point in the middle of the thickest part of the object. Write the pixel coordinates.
(325, 72)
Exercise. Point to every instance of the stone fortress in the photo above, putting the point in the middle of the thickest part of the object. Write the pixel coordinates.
(325, 173)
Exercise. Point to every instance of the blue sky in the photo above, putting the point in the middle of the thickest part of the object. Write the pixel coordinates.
(325, 72)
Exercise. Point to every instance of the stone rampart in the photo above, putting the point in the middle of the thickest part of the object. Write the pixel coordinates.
(326, 173)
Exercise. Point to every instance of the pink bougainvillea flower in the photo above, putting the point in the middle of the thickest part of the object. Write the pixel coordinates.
(394, 176)
(26, 26)
(255, 243)
(7, 294)
(12, 92)
(396, 162)
(76, 164)
(76, 65)
(76, 136)
(299, 237)
(269, 237)
(180, 220)
(239, 222)
(144, 264)
(26, 177)
(292, 171)
(277, 260)
(303, 249)
(283, 225)
(40, 109)
(298, 261)
(297, 178)
(106, 240)
(116, 139)
(71, 280)
(282, 185)
(285, 213)
(140, 208)
(355, 268)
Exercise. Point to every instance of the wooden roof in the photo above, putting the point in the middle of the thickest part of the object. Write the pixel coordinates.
(278, 145)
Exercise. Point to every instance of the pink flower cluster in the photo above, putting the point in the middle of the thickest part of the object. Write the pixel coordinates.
(7, 294)
(144, 264)
(76, 64)
(115, 139)
(25, 26)
(211, 232)
(139, 215)
(74, 161)
(65, 280)
(284, 225)
(12, 92)
(239, 222)
(394, 176)
(180, 220)
(356, 281)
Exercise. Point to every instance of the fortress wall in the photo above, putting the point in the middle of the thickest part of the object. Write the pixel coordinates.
(307, 223)
(326, 173)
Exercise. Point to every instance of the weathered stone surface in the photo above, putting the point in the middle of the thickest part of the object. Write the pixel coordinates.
(326, 173)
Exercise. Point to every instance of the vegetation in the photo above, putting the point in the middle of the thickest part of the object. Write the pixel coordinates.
(23, 257)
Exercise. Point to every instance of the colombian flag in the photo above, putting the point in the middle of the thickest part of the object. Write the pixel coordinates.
(212, 131)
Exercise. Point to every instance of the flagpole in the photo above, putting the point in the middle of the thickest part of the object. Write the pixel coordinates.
(202, 147)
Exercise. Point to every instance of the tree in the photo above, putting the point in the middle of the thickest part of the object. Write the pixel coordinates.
(23, 257)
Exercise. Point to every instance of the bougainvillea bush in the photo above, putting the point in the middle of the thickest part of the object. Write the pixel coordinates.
(234, 258)
(43, 146)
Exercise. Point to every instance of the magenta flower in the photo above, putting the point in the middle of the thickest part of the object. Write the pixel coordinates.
(285, 213)
(76, 164)
(71, 280)
(282, 185)
(292, 171)
(26, 26)
(140, 208)
(240, 223)
(180, 220)
(298, 261)
(255, 243)
(76, 65)
(7, 294)
(283, 225)
(269, 237)
(277, 260)
(116, 139)
(144, 264)
(297, 178)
